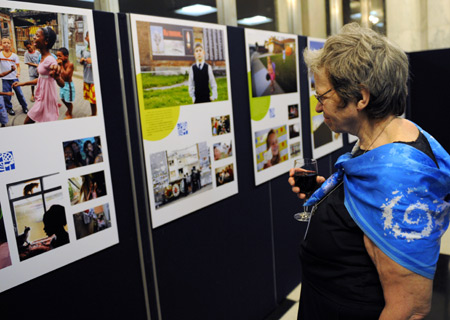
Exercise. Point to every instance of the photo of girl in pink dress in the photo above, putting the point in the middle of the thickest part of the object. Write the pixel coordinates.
(46, 106)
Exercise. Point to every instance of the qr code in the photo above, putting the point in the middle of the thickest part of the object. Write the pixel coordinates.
(7, 161)
(182, 128)
(272, 112)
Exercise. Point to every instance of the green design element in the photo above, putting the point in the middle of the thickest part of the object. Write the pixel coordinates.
(258, 106)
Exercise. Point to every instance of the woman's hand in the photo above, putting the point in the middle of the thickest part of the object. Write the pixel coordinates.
(296, 189)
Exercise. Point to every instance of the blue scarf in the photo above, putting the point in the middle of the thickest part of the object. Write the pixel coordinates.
(395, 193)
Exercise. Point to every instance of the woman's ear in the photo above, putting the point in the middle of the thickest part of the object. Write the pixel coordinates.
(365, 98)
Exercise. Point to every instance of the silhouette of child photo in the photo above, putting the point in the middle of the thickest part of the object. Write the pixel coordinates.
(54, 220)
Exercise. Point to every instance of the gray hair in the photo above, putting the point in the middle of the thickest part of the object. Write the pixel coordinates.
(358, 58)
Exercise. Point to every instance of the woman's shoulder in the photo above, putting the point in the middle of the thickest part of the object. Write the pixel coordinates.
(404, 131)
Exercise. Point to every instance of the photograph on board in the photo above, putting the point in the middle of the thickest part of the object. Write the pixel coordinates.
(87, 187)
(295, 149)
(220, 125)
(273, 62)
(5, 257)
(181, 173)
(82, 152)
(271, 147)
(45, 67)
(224, 175)
(181, 65)
(222, 150)
(38, 216)
(293, 111)
(91, 221)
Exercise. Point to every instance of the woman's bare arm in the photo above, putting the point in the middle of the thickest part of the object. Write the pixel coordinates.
(407, 294)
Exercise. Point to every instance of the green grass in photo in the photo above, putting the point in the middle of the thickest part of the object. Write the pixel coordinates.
(152, 81)
(179, 95)
(285, 72)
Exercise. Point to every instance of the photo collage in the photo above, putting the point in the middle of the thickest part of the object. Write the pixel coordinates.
(37, 205)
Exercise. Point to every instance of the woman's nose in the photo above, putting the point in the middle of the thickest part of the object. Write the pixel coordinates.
(319, 107)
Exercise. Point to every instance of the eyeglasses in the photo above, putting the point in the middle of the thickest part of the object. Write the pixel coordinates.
(320, 96)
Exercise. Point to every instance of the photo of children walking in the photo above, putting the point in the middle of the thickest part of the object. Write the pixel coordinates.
(45, 67)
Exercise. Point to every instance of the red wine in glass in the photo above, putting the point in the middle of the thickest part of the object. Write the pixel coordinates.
(305, 177)
(306, 181)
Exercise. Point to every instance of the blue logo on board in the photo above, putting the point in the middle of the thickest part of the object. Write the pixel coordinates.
(7, 161)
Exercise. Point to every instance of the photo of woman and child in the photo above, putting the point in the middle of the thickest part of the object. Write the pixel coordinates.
(82, 152)
(87, 187)
(46, 50)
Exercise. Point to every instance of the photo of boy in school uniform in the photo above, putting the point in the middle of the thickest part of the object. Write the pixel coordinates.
(201, 77)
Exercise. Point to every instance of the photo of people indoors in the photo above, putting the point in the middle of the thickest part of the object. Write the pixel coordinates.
(92, 220)
(222, 150)
(82, 152)
(87, 187)
(178, 174)
(220, 125)
(45, 67)
(273, 64)
(271, 147)
(224, 175)
(181, 65)
(39, 219)
(293, 111)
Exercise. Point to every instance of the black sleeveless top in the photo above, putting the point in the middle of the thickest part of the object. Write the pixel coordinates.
(334, 259)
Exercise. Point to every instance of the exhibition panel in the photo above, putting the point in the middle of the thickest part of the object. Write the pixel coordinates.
(57, 198)
(323, 140)
(183, 86)
(274, 95)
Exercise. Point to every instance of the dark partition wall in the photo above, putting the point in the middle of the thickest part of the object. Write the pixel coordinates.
(430, 109)
(429, 85)
(108, 284)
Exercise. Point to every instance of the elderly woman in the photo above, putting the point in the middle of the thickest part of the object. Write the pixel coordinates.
(374, 237)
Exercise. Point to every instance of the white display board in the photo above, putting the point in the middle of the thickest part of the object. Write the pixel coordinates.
(272, 66)
(323, 140)
(56, 193)
(189, 144)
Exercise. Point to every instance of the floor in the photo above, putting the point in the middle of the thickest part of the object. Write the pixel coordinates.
(289, 308)
(440, 308)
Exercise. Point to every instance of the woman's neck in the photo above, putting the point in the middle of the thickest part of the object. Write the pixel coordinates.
(44, 53)
(374, 133)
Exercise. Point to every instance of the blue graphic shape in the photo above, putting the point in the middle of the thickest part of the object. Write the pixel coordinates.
(7, 161)
(182, 128)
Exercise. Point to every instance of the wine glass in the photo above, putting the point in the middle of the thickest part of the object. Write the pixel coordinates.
(305, 177)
